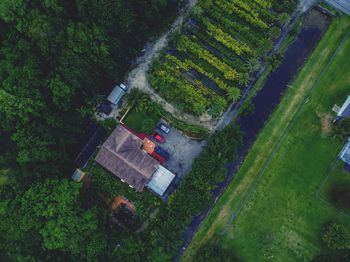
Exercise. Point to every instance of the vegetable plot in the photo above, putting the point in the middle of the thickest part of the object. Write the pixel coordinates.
(209, 61)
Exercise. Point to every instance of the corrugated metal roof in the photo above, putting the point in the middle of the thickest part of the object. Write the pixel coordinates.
(116, 95)
(160, 180)
(345, 152)
(345, 109)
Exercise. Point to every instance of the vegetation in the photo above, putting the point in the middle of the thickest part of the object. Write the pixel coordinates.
(336, 236)
(214, 253)
(341, 129)
(143, 109)
(55, 57)
(162, 236)
(336, 188)
(271, 208)
(216, 53)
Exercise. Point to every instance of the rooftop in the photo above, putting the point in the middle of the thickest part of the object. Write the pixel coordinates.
(161, 180)
(344, 154)
(344, 111)
(122, 155)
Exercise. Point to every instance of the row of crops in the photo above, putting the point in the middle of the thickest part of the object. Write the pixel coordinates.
(213, 58)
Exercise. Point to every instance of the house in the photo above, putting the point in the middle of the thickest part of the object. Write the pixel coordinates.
(127, 156)
(91, 138)
(122, 155)
(117, 94)
(344, 154)
(343, 111)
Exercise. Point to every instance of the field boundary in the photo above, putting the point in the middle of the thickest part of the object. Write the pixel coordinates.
(322, 199)
(254, 184)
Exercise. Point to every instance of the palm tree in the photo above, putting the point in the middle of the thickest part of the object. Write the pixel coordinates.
(274, 32)
(283, 18)
(253, 64)
(138, 99)
(243, 79)
(233, 94)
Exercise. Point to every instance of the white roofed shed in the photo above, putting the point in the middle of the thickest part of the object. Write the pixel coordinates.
(160, 180)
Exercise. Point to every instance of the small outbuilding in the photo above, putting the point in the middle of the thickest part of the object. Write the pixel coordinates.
(343, 111)
(78, 175)
(160, 180)
(344, 154)
(117, 94)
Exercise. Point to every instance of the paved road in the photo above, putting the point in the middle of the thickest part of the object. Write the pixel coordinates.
(342, 5)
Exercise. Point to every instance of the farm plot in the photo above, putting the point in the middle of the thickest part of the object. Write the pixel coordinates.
(215, 54)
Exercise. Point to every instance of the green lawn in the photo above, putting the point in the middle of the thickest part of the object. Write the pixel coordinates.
(141, 121)
(338, 177)
(271, 211)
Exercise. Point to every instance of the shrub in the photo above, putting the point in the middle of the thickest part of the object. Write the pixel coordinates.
(336, 236)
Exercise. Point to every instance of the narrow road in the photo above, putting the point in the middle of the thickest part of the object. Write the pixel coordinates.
(342, 5)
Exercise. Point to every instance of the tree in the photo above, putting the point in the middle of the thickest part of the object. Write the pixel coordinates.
(243, 79)
(341, 129)
(233, 94)
(253, 65)
(50, 211)
(336, 236)
(274, 32)
(283, 18)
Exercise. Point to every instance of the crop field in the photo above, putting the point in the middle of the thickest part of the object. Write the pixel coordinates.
(280, 199)
(214, 56)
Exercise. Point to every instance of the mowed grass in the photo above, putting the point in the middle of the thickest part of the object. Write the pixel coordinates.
(141, 121)
(338, 176)
(271, 211)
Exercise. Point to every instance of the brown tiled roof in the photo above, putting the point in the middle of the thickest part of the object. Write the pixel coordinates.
(122, 155)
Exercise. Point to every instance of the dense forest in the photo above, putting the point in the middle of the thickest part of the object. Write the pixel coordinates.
(56, 56)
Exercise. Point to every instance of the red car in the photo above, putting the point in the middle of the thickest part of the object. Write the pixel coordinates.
(158, 137)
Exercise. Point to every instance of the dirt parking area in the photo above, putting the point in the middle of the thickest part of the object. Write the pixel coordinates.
(182, 150)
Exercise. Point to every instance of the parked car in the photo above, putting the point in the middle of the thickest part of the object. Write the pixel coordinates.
(124, 86)
(162, 152)
(163, 127)
(159, 138)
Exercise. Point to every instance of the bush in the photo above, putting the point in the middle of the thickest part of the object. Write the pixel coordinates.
(336, 236)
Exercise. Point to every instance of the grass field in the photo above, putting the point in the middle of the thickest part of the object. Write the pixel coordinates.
(271, 211)
(337, 177)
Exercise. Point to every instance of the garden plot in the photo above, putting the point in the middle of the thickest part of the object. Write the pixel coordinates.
(213, 58)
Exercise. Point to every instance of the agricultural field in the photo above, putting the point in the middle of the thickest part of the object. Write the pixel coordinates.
(215, 55)
(278, 203)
